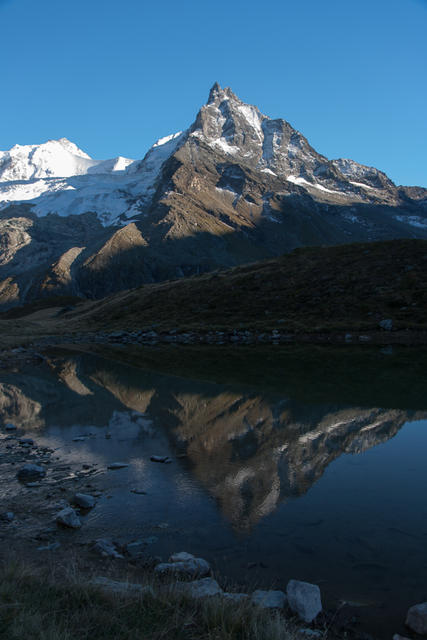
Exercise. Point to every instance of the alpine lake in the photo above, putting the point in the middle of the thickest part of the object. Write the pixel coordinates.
(276, 462)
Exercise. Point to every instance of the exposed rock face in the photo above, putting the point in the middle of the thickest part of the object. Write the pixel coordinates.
(235, 187)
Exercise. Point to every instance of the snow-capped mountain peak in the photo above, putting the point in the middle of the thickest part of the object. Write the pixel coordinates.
(52, 159)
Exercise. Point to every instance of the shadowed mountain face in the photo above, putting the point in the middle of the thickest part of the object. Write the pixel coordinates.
(251, 450)
(235, 187)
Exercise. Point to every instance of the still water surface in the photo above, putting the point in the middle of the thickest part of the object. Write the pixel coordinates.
(283, 465)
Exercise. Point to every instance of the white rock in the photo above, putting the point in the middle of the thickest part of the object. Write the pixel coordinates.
(417, 618)
(188, 568)
(269, 599)
(204, 588)
(68, 518)
(304, 599)
(123, 588)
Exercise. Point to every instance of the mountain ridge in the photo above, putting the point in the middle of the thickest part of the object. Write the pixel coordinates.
(235, 187)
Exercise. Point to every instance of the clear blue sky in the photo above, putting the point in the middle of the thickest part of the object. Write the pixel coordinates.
(115, 76)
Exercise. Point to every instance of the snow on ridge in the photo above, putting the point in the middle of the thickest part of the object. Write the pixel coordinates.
(360, 184)
(161, 141)
(302, 182)
(52, 159)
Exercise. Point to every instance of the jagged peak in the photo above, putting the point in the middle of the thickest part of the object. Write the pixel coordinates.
(217, 94)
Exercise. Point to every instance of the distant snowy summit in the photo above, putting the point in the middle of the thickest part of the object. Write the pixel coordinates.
(53, 159)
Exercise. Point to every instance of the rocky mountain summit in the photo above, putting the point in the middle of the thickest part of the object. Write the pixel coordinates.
(235, 187)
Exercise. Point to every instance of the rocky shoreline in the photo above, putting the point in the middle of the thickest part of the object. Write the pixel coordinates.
(227, 337)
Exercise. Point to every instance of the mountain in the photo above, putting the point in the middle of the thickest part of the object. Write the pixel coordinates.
(235, 187)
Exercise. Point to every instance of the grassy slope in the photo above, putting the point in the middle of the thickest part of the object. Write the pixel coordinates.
(311, 289)
(37, 606)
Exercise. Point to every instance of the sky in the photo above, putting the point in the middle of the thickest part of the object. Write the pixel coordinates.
(115, 76)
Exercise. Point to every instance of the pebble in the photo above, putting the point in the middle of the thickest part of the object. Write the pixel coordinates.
(117, 465)
(31, 471)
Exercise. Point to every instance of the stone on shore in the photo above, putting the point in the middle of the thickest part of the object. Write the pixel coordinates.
(304, 599)
(10, 427)
(269, 599)
(68, 518)
(84, 501)
(417, 618)
(164, 459)
(204, 588)
(117, 465)
(184, 564)
(31, 472)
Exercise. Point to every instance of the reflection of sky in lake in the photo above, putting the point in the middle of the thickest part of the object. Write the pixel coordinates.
(330, 493)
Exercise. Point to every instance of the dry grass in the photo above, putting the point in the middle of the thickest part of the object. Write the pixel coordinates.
(38, 606)
(312, 289)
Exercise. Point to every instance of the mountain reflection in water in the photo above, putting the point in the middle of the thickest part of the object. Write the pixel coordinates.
(271, 455)
(250, 450)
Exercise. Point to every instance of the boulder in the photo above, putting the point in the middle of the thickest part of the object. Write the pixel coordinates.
(31, 472)
(417, 618)
(304, 599)
(68, 518)
(184, 564)
(269, 599)
(204, 588)
(84, 501)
